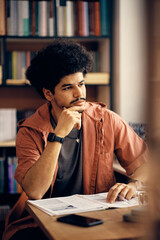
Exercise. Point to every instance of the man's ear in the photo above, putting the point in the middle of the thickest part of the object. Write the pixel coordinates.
(48, 94)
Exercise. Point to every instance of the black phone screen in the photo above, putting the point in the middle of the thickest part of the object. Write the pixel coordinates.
(80, 220)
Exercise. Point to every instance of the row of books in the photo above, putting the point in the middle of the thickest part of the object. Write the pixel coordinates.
(13, 186)
(54, 18)
(18, 61)
(8, 122)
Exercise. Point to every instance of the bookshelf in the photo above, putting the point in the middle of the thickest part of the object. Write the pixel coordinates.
(23, 41)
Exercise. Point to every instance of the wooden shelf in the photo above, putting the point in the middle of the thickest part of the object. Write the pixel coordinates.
(8, 144)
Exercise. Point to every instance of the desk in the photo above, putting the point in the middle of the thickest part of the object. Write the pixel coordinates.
(112, 228)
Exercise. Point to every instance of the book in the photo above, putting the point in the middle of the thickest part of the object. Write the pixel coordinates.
(80, 203)
(51, 19)
(104, 17)
(97, 78)
(61, 17)
(70, 21)
(25, 19)
(2, 173)
(2, 14)
(91, 19)
(82, 18)
(20, 18)
(97, 24)
(43, 15)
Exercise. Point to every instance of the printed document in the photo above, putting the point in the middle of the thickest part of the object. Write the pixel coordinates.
(80, 203)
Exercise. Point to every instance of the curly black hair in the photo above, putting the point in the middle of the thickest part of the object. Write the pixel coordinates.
(51, 64)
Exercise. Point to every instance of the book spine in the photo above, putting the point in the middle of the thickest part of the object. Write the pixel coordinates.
(2, 14)
(23, 68)
(51, 23)
(61, 16)
(2, 174)
(8, 17)
(14, 65)
(10, 175)
(13, 18)
(33, 13)
(91, 19)
(97, 25)
(70, 21)
(43, 18)
(39, 18)
(81, 18)
(104, 14)
(25, 20)
(20, 17)
(18, 65)
(15, 161)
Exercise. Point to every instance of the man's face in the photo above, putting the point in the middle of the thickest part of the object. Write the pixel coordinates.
(71, 91)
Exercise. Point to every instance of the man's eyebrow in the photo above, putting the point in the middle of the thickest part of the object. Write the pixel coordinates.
(68, 84)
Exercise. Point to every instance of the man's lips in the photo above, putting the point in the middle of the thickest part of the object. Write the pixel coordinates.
(79, 103)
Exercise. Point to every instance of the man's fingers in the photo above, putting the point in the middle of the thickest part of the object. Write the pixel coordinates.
(114, 191)
(75, 108)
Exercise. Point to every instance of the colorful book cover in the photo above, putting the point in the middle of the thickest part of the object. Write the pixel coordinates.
(97, 22)
(81, 18)
(10, 175)
(15, 161)
(23, 64)
(18, 65)
(25, 20)
(91, 19)
(104, 13)
(14, 65)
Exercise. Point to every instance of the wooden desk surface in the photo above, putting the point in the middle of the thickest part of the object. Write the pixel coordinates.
(113, 227)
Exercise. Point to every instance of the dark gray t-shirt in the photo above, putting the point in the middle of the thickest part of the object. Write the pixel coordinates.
(69, 178)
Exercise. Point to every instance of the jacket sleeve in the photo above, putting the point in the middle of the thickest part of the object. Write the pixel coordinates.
(130, 149)
(29, 146)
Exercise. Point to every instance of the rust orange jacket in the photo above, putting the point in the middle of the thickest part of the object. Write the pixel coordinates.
(104, 133)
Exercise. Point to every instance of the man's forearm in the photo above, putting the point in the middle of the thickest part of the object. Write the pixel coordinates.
(39, 177)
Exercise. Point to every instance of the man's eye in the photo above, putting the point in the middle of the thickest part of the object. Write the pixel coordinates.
(82, 84)
(67, 88)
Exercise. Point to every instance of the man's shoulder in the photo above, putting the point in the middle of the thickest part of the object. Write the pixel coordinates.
(39, 120)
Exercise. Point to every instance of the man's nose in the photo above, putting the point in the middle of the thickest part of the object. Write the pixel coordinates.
(77, 92)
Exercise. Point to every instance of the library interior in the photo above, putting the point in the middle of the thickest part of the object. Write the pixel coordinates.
(123, 39)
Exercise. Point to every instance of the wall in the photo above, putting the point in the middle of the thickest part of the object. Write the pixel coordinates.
(130, 60)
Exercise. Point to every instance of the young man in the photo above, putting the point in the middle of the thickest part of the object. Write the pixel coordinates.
(67, 146)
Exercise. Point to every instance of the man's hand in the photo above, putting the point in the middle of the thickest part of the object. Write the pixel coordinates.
(126, 191)
(69, 119)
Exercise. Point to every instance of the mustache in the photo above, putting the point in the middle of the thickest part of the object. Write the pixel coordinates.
(76, 100)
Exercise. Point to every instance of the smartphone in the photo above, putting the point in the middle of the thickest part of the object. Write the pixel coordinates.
(79, 220)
